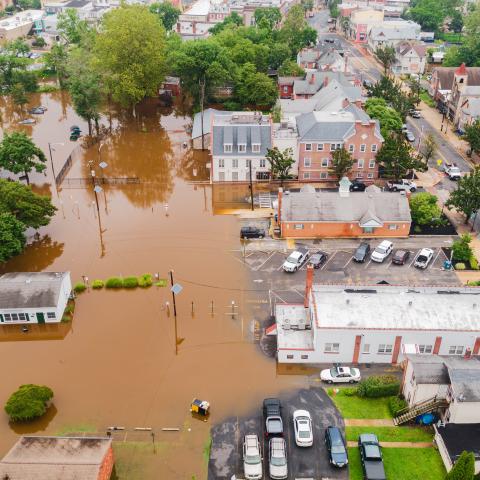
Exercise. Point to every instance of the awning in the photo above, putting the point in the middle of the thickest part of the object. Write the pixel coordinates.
(271, 330)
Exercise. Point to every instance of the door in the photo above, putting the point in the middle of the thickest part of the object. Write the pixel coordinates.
(40, 317)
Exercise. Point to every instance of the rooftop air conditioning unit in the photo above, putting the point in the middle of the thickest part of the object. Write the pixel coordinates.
(286, 324)
(302, 323)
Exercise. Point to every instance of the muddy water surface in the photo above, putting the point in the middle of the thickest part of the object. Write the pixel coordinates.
(115, 364)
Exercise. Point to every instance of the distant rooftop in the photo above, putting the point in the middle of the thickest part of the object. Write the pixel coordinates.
(21, 18)
(458, 437)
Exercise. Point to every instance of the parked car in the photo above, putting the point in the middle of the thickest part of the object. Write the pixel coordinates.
(318, 259)
(337, 451)
(357, 186)
(252, 232)
(37, 111)
(404, 128)
(295, 260)
(272, 415)
(361, 252)
(382, 251)
(424, 258)
(415, 113)
(401, 185)
(452, 171)
(277, 459)
(339, 374)
(302, 424)
(400, 257)
(371, 457)
(252, 458)
(410, 136)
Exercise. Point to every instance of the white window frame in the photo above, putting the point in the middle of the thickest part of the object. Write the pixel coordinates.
(255, 147)
(425, 349)
(325, 162)
(370, 175)
(359, 174)
(385, 349)
(307, 162)
(308, 147)
(234, 162)
(393, 226)
(306, 175)
(351, 148)
(323, 175)
(51, 315)
(331, 347)
(366, 349)
(227, 148)
(236, 175)
(221, 163)
(371, 164)
(319, 147)
(242, 147)
(298, 226)
(263, 163)
(456, 349)
(374, 147)
(363, 147)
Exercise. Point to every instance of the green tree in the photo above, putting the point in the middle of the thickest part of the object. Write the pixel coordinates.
(70, 27)
(472, 136)
(19, 95)
(279, 52)
(56, 61)
(333, 7)
(424, 209)
(398, 158)
(462, 251)
(307, 5)
(428, 14)
(345, 25)
(130, 53)
(19, 154)
(12, 238)
(39, 42)
(255, 88)
(342, 162)
(167, 13)
(464, 468)
(27, 207)
(466, 197)
(13, 65)
(234, 19)
(296, 32)
(29, 4)
(386, 56)
(429, 147)
(28, 402)
(456, 22)
(390, 120)
(290, 68)
(280, 162)
(267, 17)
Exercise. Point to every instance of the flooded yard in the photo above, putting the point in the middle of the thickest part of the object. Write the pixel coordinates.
(115, 364)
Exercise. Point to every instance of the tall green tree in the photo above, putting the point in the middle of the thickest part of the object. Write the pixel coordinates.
(296, 32)
(13, 68)
(464, 468)
(255, 88)
(424, 209)
(268, 17)
(281, 162)
(342, 162)
(234, 19)
(71, 29)
(18, 154)
(12, 238)
(56, 61)
(429, 147)
(390, 120)
(472, 136)
(129, 53)
(386, 56)
(466, 197)
(167, 13)
(290, 68)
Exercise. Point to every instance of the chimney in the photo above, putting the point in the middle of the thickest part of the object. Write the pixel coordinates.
(312, 79)
(279, 213)
(308, 285)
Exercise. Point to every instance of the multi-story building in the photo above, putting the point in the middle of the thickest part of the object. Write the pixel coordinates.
(464, 88)
(361, 21)
(391, 33)
(239, 142)
(202, 15)
(20, 24)
(409, 58)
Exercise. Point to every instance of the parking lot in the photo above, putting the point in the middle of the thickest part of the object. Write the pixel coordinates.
(227, 437)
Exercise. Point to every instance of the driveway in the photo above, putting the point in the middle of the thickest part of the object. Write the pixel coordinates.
(226, 452)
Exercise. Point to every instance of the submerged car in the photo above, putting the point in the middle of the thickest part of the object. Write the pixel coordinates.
(337, 451)
(302, 424)
(340, 374)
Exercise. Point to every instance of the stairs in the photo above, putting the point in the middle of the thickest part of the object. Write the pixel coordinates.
(265, 200)
(426, 406)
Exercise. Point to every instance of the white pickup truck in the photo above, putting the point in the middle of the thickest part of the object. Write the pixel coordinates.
(401, 185)
(452, 171)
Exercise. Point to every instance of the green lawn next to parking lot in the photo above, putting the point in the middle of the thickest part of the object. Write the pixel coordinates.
(392, 434)
(403, 463)
(357, 407)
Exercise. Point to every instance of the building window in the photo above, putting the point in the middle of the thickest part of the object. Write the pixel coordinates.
(298, 226)
(285, 89)
(319, 147)
(360, 163)
(324, 162)
(363, 147)
(308, 147)
(359, 175)
(304, 357)
(235, 163)
(263, 163)
(51, 315)
(374, 147)
(235, 176)
(306, 175)
(242, 147)
(371, 164)
(221, 163)
(425, 349)
(248, 163)
(332, 348)
(307, 162)
(15, 317)
(290, 357)
(227, 148)
(366, 348)
(370, 175)
(385, 348)
(256, 147)
(367, 229)
(323, 175)
(455, 350)
(335, 146)
(221, 176)
(351, 148)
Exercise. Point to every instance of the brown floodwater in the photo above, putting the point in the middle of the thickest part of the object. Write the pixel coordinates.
(115, 364)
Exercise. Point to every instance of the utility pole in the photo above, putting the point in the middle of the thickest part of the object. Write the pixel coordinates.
(51, 160)
(202, 101)
(251, 184)
(174, 312)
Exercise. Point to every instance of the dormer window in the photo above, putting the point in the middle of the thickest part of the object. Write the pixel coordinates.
(227, 148)
(242, 147)
(256, 147)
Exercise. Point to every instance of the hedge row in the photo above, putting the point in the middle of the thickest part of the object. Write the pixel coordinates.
(395, 404)
(378, 386)
(143, 281)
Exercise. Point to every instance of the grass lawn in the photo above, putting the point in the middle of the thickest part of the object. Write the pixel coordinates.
(403, 463)
(426, 98)
(392, 434)
(357, 407)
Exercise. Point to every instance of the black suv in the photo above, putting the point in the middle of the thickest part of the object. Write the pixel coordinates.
(336, 447)
(357, 186)
(361, 253)
(252, 232)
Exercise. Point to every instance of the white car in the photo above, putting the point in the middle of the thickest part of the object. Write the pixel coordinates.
(278, 468)
(295, 260)
(424, 258)
(302, 424)
(252, 459)
(382, 251)
(340, 375)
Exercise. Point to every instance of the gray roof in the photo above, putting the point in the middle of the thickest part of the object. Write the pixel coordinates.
(431, 373)
(207, 117)
(235, 134)
(55, 458)
(311, 206)
(30, 289)
(398, 30)
(465, 383)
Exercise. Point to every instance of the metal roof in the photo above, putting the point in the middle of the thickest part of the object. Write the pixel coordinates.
(243, 134)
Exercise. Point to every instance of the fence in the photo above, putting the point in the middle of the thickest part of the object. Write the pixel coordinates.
(86, 182)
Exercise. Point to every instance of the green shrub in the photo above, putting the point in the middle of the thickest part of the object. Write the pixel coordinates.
(114, 282)
(461, 248)
(70, 308)
(350, 391)
(473, 263)
(97, 284)
(145, 280)
(130, 282)
(47, 88)
(460, 266)
(28, 402)
(378, 386)
(39, 42)
(66, 318)
(79, 287)
(464, 467)
(395, 404)
(417, 229)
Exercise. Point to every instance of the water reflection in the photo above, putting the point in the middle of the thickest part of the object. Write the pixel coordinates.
(51, 331)
(39, 425)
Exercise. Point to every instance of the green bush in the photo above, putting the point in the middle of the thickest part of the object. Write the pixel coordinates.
(114, 282)
(66, 318)
(464, 468)
(379, 386)
(145, 280)
(350, 391)
(460, 266)
(70, 308)
(39, 42)
(395, 404)
(47, 88)
(79, 287)
(462, 251)
(97, 284)
(130, 282)
(473, 263)
(417, 229)
(28, 402)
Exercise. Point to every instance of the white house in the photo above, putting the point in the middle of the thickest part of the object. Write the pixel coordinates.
(20, 24)
(392, 33)
(409, 58)
(33, 297)
(239, 142)
(377, 323)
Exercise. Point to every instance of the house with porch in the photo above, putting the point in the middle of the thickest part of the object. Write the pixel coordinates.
(391, 33)
(410, 58)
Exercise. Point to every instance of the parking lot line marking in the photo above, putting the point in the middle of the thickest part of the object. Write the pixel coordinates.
(326, 263)
(368, 263)
(279, 297)
(261, 265)
(351, 258)
(296, 291)
(436, 256)
(414, 258)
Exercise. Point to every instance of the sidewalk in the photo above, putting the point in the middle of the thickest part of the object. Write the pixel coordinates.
(369, 422)
(351, 443)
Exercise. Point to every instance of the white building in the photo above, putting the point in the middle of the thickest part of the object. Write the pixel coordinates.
(20, 24)
(285, 136)
(202, 15)
(391, 33)
(409, 58)
(33, 297)
(239, 142)
(377, 324)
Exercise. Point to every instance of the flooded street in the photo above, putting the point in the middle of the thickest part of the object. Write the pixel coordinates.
(115, 364)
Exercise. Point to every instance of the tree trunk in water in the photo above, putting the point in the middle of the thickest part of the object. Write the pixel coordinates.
(97, 126)
(27, 178)
(466, 219)
(90, 127)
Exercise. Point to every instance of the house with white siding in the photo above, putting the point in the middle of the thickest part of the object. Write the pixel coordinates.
(33, 297)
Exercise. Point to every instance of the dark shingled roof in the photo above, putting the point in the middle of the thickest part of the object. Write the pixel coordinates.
(458, 437)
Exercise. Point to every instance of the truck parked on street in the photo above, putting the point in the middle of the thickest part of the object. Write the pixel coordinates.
(452, 171)
(401, 185)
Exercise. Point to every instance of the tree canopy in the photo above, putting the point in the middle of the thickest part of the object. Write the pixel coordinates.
(386, 56)
(290, 68)
(28, 402)
(267, 17)
(167, 13)
(280, 162)
(464, 468)
(342, 162)
(70, 27)
(12, 238)
(472, 136)
(466, 197)
(424, 209)
(390, 120)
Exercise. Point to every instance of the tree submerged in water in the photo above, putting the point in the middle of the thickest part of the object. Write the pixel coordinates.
(28, 402)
